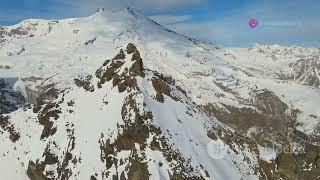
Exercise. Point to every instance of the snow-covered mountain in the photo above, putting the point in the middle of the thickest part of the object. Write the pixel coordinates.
(117, 96)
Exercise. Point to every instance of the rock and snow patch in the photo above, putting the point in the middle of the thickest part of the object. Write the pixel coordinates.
(267, 154)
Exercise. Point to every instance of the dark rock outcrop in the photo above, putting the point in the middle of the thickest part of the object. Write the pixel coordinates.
(85, 83)
(125, 80)
(10, 100)
(20, 31)
(34, 173)
(7, 126)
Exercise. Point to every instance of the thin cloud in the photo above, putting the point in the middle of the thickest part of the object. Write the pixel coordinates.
(233, 29)
(56, 9)
(16, 16)
(83, 7)
(169, 19)
(165, 4)
(229, 28)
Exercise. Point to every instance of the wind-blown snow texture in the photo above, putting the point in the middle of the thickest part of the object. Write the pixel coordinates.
(151, 111)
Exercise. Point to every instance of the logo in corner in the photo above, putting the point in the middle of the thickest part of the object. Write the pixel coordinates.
(253, 23)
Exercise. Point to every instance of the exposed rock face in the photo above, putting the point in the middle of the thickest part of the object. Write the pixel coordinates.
(18, 31)
(135, 131)
(85, 83)
(137, 67)
(274, 123)
(36, 90)
(8, 127)
(126, 79)
(269, 103)
(90, 42)
(131, 48)
(120, 55)
(270, 113)
(307, 72)
(33, 172)
(3, 31)
(37, 171)
(301, 166)
(45, 115)
(10, 100)
(6, 67)
(161, 88)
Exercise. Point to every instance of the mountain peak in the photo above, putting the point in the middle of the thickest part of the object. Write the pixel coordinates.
(100, 10)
